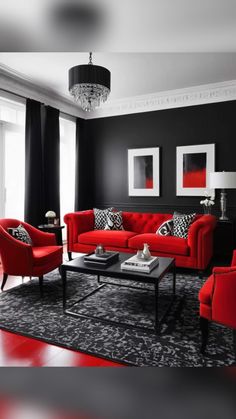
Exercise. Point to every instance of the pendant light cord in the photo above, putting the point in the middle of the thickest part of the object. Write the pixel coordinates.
(90, 58)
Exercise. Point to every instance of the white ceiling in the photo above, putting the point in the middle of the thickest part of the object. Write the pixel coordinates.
(157, 45)
(112, 25)
(133, 74)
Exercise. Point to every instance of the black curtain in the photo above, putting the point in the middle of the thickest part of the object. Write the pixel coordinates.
(42, 148)
(51, 160)
(34, 191)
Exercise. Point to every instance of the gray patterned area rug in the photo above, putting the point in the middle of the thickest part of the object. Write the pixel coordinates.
(23, 311)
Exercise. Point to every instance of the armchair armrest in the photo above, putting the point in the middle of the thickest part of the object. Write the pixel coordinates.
(40, 238)
(77, 223)
(16, 256)
(223, 300)
(223, 269)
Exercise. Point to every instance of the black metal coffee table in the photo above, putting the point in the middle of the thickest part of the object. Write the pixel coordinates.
(114, 271)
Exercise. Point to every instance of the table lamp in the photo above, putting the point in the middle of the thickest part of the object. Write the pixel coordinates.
(50, 215)
(222, 180)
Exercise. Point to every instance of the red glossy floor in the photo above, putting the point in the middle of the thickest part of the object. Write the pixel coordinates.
(16, 350)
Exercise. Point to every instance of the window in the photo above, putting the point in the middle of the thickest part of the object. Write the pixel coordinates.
(67, 167)
(12, 158)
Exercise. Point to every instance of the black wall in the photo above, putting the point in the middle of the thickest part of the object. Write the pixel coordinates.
(84, 197)
(108, 139)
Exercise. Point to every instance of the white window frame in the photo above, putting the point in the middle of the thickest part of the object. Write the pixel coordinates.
(14, 103)
(69, 119)
(2, 172)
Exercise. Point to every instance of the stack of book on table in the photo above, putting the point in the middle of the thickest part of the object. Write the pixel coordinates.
(104, 259)
(140, 265)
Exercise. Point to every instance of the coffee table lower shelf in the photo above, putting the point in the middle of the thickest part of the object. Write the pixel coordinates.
(158, 320)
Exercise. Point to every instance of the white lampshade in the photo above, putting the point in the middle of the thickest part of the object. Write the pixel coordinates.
(50, 214)
(222, 180)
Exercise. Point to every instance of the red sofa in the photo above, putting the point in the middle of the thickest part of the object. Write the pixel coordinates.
(194, 252)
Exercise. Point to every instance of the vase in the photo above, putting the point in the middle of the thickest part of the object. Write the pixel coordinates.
(207, 210)
(140, 254)
(146, 251)
(99, 250)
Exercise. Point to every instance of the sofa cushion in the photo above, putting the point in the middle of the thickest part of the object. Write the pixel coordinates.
(165, 228)
(45, 254)
(117, 238)
(20, 233)
(100, 218)
(165, 244)
(114, 221)
(181, 224)
(206, 292)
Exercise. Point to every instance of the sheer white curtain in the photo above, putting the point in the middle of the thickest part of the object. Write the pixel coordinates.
(67, 166)
(12, 158)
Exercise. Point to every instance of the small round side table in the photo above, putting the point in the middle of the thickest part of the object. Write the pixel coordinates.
(51, 228)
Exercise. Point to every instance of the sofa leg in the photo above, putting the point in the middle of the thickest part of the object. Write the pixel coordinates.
(200, 274)
(4, 280)
(69, 255)
(234, 340)
(205, 332)
(41, 285)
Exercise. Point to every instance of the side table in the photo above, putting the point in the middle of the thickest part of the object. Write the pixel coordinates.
(224, 239)
(51, 228)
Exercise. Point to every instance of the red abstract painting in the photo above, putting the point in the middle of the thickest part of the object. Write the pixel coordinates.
(194, 170)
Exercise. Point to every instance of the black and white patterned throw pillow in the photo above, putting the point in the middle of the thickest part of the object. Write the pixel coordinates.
(166, 228)
(114, 221)
(181, 224)
(20, 234)
(100, 218)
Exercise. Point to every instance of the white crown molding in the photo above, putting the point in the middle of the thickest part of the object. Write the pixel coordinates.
(15, 82)
(192, 96)
(18, 83)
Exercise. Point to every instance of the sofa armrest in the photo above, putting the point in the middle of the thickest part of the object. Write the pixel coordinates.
(77, 223)
(200, 239)
(233, 263)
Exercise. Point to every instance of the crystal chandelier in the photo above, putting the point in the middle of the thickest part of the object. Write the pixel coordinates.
(89, 84)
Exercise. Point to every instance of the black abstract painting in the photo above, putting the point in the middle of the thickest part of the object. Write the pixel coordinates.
(143, 172)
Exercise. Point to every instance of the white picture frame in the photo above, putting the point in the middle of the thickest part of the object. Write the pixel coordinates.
(144, 171)
(193, 165)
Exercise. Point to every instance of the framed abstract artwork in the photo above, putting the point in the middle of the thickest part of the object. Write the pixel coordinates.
(144, 171)
(193, 165)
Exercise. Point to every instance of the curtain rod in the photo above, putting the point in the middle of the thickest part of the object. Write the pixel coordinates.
(15, 94)
(25, 97)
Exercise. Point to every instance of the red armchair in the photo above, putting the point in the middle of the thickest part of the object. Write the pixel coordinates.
(218, 301)
(21, 259)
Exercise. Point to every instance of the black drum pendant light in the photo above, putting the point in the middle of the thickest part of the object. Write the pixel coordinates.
(89, 84)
